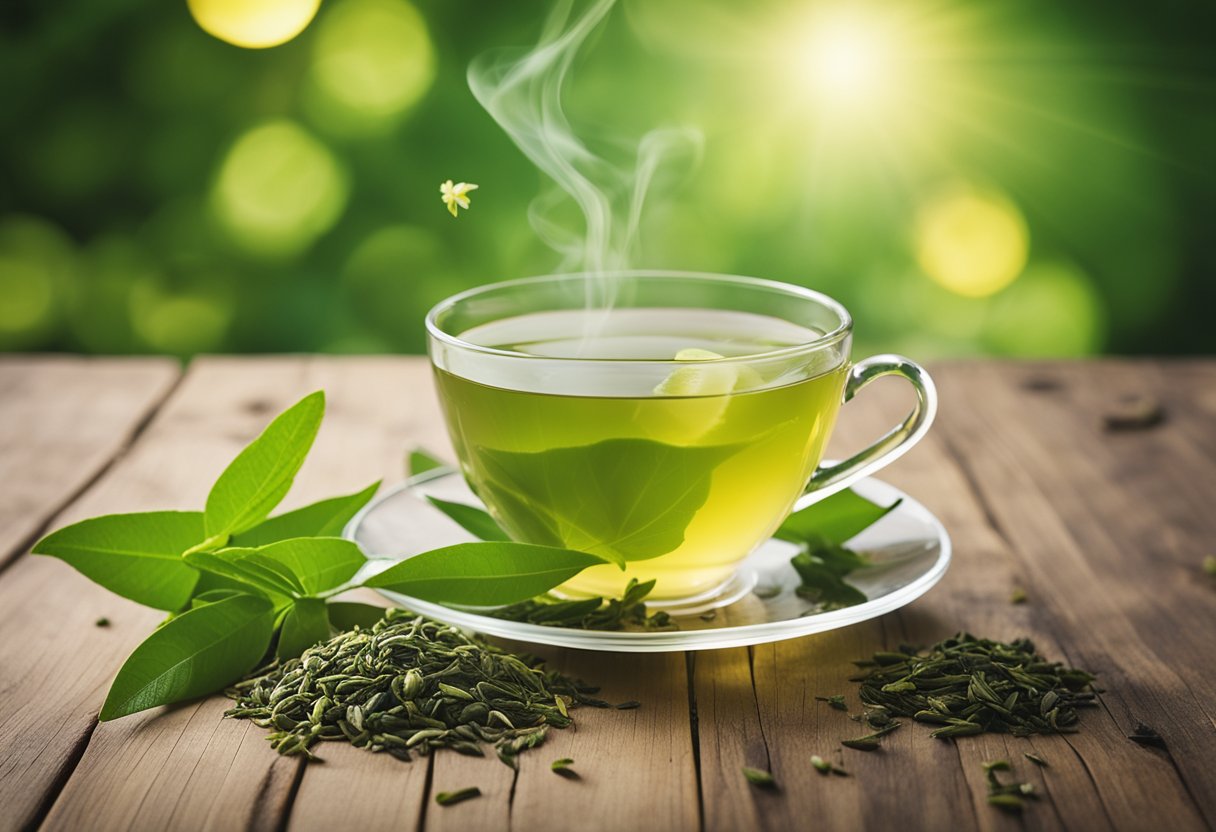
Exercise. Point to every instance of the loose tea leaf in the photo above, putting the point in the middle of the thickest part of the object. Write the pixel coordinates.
(407, 686)
(1034, 758)
(594, 613)
(1134, 412)
(759, 777)
(836, 702)
(1144, 735)
(971, 686)
(562, 767)
(102, 622)
(821, 765)
(1209, 565)
(1017, 596)
(450, 798)
(1009, 797)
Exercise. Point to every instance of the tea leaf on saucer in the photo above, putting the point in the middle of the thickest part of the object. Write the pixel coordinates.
(834, 519)
(137, 556)
(196, 653)
(260, 476)
(489, 573)
(419, 461)
(473, 520)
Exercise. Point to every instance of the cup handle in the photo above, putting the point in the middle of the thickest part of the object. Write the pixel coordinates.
(829, 479)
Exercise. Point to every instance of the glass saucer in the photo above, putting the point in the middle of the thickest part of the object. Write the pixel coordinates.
(909, 548)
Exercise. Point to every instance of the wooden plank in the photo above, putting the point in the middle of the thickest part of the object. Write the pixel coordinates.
(1081, 509)
(62, 420)
(187, 767)
(636, 768)
(924, 783)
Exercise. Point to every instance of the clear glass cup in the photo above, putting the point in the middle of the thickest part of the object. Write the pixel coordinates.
(573, 433)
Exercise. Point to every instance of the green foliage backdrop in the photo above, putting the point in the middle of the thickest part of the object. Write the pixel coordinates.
(1025, 178)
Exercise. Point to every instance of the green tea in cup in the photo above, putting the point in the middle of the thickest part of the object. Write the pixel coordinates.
(676, 427)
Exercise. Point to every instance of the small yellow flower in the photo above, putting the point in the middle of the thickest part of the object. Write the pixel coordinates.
(456, 195)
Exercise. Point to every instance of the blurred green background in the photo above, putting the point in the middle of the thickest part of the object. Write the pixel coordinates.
(1026, 179)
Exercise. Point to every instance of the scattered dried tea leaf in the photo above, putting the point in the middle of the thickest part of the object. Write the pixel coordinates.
(1209, 565)
(759, 777)
(628, 706)
(969, 685)
(1017, 596)
(407, 686)
(836, 701)
(821, 765)
(1144, 735)
(1006, 802)
(450, 798)
(562, 767)
(1036, 759)
(102, 622)
(1134, 412)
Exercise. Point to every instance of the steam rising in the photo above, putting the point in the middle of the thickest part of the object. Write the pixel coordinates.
(523, 93)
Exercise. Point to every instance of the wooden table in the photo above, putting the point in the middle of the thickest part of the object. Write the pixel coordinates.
(1105, 531)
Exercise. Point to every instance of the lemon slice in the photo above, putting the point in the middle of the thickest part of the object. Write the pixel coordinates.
(698, 379)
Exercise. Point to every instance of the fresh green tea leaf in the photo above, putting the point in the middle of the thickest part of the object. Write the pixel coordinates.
(346, 615)
(473, 520)
(491, 573)
(196, 653)
(306, 624)
(137, 556)
(316, 563)
(824, 583)
(260, 476)
(326, 518)
(834, 519)
(236, 565)
(419, 461)
(628, 497)
(212, 596)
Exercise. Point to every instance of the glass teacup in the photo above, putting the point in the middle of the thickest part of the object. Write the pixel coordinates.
(676, 426)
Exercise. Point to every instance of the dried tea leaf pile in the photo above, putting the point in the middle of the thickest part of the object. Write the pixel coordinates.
(971, 686)
(407, 686)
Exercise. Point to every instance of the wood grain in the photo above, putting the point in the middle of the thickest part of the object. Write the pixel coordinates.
(1105, 532)
(62, 420)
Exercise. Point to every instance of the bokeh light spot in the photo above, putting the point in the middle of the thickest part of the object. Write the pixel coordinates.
(179, 324)
(1053, 310)
(37, 261)
(372, 61)
(278, 189)
(254, 24)
(972, 243)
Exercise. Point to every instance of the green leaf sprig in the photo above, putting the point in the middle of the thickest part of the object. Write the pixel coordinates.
(821, 531)
(240, 585)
